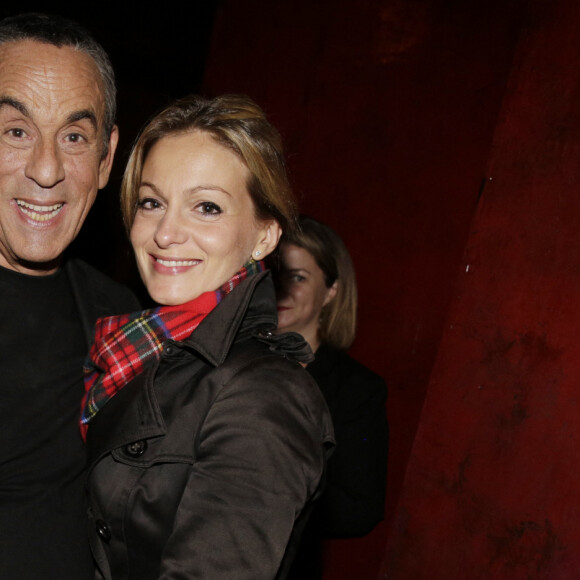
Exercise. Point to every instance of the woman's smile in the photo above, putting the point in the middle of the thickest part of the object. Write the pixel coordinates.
(173, 265)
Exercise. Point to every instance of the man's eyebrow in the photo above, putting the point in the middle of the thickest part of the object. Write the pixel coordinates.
(9, 101)
(72, 118)
(83, 114)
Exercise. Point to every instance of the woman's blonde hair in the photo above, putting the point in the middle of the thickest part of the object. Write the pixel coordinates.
(338, 318)
(237, 123)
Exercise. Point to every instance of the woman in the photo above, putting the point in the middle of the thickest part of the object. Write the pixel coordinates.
(317, 298)
(206, 439)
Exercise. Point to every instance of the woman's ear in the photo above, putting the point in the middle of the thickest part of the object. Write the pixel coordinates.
(330, 293)
(267, 240)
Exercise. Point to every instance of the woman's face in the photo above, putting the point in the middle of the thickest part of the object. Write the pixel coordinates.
(302, 292)
(195, 225)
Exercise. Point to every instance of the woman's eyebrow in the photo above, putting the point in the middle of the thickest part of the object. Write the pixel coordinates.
(210, 187)
(294, 270)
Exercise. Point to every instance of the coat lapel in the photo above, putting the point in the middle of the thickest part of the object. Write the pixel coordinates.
(131, 415)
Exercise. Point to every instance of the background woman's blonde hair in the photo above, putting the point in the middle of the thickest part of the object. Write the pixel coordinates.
(237, 123)
(338, 318)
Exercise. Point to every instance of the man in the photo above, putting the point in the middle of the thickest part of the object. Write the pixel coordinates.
(57, 142)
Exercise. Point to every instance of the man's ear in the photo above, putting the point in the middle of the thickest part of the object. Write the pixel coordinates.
(267, 240)
(107, 161)
(331, 293)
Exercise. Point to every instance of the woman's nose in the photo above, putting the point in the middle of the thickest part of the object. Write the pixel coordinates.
(170, 230)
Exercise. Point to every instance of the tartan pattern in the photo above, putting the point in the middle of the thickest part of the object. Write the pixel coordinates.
(124, 344)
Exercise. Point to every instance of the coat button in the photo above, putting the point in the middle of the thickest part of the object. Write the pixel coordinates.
(136, 449)
(169, 349)
(103, 530)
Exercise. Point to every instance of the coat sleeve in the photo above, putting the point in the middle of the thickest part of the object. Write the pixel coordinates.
(259, 457)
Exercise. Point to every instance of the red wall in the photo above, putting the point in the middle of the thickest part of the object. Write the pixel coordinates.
(491, 490)
(388, 109)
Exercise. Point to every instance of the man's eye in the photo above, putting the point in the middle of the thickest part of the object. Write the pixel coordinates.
(209, 208)
(17, 133)
(75, 138)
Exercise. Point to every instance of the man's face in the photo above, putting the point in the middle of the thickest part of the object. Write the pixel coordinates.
(51, 151)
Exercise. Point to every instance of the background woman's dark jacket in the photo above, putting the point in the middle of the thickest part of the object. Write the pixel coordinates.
(353, 501)
(201, 467)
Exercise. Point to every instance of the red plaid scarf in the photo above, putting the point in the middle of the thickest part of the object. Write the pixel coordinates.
(125, 344)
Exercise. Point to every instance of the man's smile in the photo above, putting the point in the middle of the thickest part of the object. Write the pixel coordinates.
(39, 213)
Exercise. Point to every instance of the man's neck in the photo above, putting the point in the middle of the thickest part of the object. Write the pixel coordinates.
(31, 268)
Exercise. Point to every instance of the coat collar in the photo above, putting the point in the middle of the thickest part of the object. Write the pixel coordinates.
(249, 308)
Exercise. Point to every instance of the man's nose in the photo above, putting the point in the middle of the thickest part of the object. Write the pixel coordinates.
(45, 165)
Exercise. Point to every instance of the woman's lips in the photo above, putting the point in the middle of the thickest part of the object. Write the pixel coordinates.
(173, 265)
(177, 263)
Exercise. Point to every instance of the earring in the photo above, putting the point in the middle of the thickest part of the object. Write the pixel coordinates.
(258, 253)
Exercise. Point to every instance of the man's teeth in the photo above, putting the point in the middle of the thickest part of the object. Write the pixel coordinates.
(177, 263)
(39, 213)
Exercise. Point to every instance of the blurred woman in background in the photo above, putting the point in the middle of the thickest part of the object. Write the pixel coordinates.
(317, 298)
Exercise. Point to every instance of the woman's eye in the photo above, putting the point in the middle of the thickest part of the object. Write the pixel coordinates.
(148, 203)
(209, 208)
(297, 278)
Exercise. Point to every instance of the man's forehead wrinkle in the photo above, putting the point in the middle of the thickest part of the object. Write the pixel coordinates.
(55, 111)
(37, 85)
